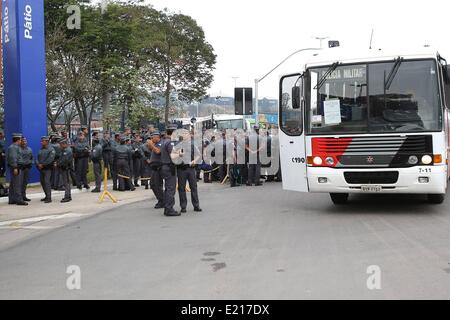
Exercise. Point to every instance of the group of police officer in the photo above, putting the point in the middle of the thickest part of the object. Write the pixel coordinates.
(19, 160)
(126, 157)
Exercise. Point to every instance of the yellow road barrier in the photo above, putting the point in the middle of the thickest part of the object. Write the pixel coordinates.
(105, 189)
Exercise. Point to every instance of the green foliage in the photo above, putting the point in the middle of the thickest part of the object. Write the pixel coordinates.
(120, 59)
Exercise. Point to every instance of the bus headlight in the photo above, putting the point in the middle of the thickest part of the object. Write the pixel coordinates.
(329, 161)
(413, 160)
(427, 159)
(317, 161)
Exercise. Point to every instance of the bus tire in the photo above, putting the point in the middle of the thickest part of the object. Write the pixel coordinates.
(339, 198)
(436, 198)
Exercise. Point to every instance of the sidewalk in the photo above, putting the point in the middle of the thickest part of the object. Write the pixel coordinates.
(84, 202)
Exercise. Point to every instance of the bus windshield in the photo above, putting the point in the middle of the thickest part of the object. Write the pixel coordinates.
(395, 96)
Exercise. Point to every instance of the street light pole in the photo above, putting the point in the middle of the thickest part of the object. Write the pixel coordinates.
(257, 81)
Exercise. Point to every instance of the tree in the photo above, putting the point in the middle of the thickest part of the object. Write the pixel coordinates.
(183, 59)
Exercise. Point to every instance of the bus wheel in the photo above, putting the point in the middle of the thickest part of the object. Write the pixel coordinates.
(339, 198)
(436, 198)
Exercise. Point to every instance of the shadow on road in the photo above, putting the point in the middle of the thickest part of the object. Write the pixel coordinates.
(386, 203)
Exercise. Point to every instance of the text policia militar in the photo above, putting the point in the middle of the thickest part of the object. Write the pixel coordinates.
(231, 146)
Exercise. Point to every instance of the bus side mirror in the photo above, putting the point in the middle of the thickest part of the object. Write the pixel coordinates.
(296, 102)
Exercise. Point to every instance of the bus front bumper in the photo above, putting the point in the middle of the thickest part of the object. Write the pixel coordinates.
(408, 180)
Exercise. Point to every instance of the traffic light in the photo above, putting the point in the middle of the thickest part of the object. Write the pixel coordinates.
(243, 101)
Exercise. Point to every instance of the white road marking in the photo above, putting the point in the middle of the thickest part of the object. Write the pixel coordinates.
(39, 219)
(27, 227)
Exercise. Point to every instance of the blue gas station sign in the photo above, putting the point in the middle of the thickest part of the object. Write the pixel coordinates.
(24, 71)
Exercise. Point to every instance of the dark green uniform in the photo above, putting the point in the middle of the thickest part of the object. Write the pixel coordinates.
(25, 164)
(186, 173)
(81, 155)
(46, 159)
(15, 187)
(114, 145)
(156, 182)
(56, 178)
(107, 154)
(137, 161)
(96, 158)
(146, 168)
(122, 158)
(65, 165)
(168, 174)
(2, 157)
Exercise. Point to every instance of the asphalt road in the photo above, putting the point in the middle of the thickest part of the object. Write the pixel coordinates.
(249, 243)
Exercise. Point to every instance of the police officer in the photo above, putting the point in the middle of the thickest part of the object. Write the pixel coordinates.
(186, 171)
(253, 147)
(96, 158)
(81, 155)
(2, 154)
(168, 173)
(12, 159)
(25, 164)
(45, 163)
(156, 182)
(122, 158)
(72, 174)
(114, 144)
(137, 159)
(65, 164)
(146, 160)
(107, 149)
(56, 180)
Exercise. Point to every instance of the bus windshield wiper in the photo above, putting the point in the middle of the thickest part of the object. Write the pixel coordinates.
(392, 74)
(325, 75)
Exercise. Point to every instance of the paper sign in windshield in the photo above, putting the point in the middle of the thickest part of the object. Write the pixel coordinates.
(332, 111)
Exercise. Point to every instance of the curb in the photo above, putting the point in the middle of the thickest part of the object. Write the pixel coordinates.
(40, 195)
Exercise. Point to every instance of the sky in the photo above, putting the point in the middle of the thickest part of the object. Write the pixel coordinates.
(251, 37)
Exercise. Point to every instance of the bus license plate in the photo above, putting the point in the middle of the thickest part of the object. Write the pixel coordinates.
(371, 188)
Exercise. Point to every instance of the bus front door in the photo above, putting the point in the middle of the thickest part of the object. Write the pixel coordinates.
(292, 139)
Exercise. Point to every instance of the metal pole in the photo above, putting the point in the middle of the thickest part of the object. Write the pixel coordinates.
(243, 109)
(256, 103)
(263, 77)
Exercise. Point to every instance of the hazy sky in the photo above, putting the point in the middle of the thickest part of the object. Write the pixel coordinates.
(250, 37)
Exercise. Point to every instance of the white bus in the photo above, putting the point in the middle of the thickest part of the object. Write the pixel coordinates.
(366, 122)
(216, 121)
